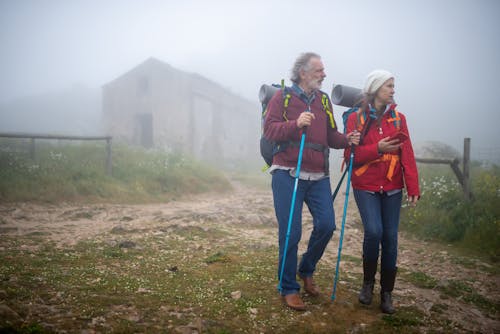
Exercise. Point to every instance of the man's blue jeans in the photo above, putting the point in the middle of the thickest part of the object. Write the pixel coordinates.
(380, 216)
(318, 197)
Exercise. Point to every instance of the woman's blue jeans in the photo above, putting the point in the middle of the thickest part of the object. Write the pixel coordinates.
(380, 216)
(318, 197)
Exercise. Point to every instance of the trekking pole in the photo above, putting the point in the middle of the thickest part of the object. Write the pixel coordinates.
(351, 159)
(292, 205)
(338, 185)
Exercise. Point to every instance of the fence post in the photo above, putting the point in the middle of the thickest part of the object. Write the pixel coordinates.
(109, 161)
(458, 173)
(466, 169)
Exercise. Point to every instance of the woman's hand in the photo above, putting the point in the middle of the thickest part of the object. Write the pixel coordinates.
(412, 200)
(388, 145)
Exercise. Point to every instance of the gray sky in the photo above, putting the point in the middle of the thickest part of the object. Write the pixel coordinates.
(445, 53)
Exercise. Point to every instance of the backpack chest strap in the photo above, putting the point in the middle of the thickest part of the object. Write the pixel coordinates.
(392, 158)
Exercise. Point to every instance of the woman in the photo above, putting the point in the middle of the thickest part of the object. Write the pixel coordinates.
(384, 163)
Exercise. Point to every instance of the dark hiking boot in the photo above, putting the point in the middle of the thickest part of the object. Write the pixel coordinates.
(386, 302)
(366, 294)
(387, 280)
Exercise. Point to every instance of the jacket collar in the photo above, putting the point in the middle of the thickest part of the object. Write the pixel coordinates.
(302, 95)
(373, 111)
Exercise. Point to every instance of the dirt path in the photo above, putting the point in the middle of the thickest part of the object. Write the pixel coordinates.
(247, 216)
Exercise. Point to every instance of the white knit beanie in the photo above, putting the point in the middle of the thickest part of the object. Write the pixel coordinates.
(375, 80)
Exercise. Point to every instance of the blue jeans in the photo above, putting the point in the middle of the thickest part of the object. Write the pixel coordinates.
(380, 216)
(318, 197)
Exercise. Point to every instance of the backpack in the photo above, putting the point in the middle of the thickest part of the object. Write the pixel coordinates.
(362, 124)
(269, 148)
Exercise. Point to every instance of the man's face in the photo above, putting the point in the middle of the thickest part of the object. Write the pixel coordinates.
(313, 77)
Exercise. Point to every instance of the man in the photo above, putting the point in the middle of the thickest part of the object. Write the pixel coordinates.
(303, 107)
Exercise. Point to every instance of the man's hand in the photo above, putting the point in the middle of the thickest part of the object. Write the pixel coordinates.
(305, 119)
(353, 138)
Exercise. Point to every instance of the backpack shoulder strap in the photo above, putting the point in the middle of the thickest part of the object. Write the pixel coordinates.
(325, 101)
(286, 100)
(360, 119)
(395, 118)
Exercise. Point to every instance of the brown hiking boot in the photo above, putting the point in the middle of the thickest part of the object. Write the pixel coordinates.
(294, 302)
(310, 287)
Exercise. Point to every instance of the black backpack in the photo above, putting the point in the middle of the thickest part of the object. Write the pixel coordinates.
(268, 148)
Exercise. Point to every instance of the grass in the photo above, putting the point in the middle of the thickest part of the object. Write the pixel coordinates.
(464, 291)
(443, 215)
(453, 289)
(421, 280)
(254, 178)
(168, 281)
(76, 173)
(182, 277)
(190, 277)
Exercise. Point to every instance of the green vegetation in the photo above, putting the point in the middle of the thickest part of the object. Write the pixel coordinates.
(167, 283)
(405, 317)
(464, 291)
(443, 215)
(182, 278)
(203, 271)
(77, 172)
(421, 279)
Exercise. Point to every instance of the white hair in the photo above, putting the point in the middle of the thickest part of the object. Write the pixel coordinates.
(302, 64)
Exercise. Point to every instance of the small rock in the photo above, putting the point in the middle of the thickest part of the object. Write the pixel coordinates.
(476, 312)
(118, 230)
(98, 320)
(127, 244)
(184, 330)
(427, 306)
(236, 295)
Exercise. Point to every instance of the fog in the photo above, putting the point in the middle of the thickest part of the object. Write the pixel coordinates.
(444, 53)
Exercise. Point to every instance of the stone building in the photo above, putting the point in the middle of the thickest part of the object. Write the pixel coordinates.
(156, 105)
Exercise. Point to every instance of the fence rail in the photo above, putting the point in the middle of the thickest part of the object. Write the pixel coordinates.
(34, 136)
(463, 177)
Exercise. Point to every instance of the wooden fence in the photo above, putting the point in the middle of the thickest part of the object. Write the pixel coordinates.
(33, 137)
(462, 176)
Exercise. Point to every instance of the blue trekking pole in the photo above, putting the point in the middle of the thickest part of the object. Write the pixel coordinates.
(292, 205)
(351, 159)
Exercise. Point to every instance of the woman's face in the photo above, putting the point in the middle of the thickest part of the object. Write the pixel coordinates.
(385, 94)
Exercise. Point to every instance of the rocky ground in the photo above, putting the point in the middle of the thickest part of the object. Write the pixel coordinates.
(429, 272)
